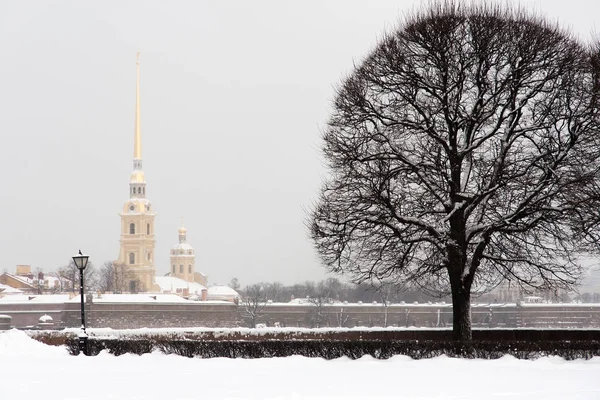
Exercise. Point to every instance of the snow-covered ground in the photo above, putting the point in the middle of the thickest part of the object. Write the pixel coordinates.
(32, 370)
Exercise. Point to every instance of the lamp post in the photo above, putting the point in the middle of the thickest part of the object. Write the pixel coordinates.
(81, 261)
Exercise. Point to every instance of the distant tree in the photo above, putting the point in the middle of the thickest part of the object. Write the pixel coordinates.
(123, 278)
(234, 283)
(342, 318)
(275, 291)
(465, 150)
(38, 279)
(106, 277)
(299, 290)
(319, 295)
(68, 277)
(115, 277)
(388, 291)
(336, 289)
(254, 299)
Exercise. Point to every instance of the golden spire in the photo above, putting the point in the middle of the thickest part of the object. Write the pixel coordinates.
(137, 140)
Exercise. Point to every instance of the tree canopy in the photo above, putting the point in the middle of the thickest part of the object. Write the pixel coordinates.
(464, 150)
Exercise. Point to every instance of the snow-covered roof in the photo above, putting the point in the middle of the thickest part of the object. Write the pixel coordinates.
(134, 298)
(37, 298)
(171, 284)
(222, 290)
(182, 246)
(299, 301)
(6, 289)
(25, 280)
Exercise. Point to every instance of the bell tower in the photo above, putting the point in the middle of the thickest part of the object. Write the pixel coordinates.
(137, 217)
(183, 260)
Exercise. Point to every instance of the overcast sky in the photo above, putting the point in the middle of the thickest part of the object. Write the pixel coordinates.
(234, 97)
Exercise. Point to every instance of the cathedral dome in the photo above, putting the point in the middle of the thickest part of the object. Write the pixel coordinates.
(182, 246)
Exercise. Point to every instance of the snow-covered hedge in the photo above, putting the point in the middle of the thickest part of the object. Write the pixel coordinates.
(330, 349)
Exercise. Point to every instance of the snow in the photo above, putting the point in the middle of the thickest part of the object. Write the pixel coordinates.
(30, 366)
(46, 318)
(220, 290)
(262, 331)
(249, 332)
(36, 298)
(6, 289)
(173, 285)
(133, 298)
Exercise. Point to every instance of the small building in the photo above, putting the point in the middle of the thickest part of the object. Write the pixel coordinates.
(22, 283)
(6, 289)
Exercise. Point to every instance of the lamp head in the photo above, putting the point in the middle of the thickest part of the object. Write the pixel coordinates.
(80, 260)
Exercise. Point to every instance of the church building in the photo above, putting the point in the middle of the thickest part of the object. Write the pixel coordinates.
(183, 261)
(138, 242)
(137, 217)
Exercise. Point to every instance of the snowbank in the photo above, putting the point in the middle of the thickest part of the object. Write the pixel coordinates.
(29, 368)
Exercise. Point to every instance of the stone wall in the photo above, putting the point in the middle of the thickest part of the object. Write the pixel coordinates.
(209, 314)
(24, 314)
(131, 315)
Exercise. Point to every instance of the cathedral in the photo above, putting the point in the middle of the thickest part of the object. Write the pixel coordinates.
(138, 242)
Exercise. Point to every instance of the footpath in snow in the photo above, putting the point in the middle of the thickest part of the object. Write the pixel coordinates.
(32, 370)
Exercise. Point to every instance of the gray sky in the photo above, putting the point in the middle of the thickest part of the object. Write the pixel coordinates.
(234, 95)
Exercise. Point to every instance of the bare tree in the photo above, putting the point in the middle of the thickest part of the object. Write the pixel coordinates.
(388, 292)
(115, 277)
(38, 279)
(464, 150)
(123, 276)
(254, 299)
(234, 283)
(106, 277)
(320, 295)
(68, 277)
(275, 291)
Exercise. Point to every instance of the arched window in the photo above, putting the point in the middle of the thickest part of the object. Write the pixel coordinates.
(131, 258)
(181, 269)
(144, 190)
(149, 255)
(139, 190)
(190, 269)
(173, 268)
(147, 229)
(132, 228)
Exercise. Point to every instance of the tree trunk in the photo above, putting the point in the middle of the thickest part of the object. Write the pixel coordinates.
(385, 320)
(461, 314)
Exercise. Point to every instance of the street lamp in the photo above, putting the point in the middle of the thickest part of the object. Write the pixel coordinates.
(81, 262)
